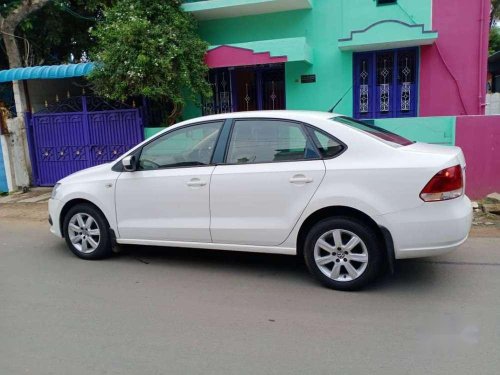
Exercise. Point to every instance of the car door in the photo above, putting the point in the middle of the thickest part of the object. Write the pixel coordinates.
(271, 172)
(167, 197)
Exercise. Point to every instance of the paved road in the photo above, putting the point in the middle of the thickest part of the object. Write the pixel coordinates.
(178, 311)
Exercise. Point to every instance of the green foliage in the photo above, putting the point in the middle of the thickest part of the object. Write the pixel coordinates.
(56, 34)
(494, 40)
(149, 48)
(495, 12)
(7, 6)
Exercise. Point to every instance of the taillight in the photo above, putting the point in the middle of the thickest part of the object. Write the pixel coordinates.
(446, 184)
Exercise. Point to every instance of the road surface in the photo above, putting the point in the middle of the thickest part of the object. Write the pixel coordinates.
(182, 311)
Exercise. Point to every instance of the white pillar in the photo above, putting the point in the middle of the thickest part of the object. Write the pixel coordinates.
(19, 152)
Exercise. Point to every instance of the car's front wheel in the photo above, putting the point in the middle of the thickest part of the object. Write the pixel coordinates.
(343, 253)
(87, 232)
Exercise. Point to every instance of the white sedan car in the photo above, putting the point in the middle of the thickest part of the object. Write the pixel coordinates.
(348, 196)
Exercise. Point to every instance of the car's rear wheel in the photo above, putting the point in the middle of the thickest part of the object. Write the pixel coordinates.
(87, 232)
(343, 253)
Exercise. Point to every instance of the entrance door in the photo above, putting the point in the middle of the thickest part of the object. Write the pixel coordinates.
(273, 89)
(246, 90)
(259, 87)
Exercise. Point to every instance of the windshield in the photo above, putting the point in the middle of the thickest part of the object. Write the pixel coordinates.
(381, 134)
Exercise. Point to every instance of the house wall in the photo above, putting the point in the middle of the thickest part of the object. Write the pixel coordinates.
(437, 130)
(479, 138)
(323, 26)
(453, 69)
(493, 104)
(3, 175)
(41, 90)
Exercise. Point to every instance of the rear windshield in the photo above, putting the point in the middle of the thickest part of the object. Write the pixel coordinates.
(382, 134)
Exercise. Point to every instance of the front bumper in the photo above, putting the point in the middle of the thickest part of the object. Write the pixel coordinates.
(431, 229)
(55, 207)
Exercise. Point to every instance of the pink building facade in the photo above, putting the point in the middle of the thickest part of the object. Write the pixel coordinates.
(453, 68)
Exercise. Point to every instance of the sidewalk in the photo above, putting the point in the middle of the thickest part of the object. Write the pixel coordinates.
(31, 205)
(34, 195)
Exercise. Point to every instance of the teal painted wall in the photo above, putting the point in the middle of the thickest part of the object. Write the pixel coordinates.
(439, 130)
(323, 25)
(149, 132)
(3, 177)
(357, 14)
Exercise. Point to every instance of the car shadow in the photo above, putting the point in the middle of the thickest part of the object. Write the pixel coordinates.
(411, 275)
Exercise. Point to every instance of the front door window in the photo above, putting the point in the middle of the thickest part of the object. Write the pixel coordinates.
(186, 147)
(385, 84)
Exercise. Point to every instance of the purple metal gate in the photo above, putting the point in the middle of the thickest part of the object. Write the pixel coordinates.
(78, 133)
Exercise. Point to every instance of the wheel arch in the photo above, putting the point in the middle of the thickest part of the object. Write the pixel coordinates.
(332, 211)
(72, 203)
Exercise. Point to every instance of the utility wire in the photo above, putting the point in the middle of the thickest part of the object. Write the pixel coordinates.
(74, 14)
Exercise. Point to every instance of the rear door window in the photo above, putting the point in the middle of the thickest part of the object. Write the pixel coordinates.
(267, 141)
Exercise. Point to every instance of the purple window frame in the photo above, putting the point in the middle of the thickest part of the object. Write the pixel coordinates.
(395, 110)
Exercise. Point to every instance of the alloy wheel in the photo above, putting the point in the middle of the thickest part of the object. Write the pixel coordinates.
(84, 233)
(341, 255)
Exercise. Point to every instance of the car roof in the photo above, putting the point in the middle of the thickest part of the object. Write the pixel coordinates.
(286, 115)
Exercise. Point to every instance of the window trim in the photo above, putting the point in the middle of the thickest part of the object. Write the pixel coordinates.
(375, 114)
(312, 129)
(302, 125)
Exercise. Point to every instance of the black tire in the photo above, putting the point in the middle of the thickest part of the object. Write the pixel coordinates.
(104, 248)
(370, 245)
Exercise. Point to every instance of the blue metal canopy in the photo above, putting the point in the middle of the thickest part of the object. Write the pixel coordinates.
(46, 72)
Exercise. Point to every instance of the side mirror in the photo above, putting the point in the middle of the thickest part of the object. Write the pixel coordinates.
(129, 163)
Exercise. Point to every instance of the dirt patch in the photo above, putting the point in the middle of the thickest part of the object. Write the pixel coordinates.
(24, 211)
(486, 222)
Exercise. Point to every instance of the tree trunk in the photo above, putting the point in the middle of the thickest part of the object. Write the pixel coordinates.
(8, 26)
(11, 48)
(174, 115)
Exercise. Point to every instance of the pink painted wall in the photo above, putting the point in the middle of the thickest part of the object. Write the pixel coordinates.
(225, 56)
(479, 138)
(453, 69)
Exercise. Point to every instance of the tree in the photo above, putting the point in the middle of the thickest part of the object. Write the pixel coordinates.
(149, 48)
(494, 13)
(494, 40)
(58, 33)
(10, 18)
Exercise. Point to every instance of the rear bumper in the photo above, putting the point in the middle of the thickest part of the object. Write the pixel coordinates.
(431, 229)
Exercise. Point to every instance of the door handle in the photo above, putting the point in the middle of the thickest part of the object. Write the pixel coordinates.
(301, 179)
(196, 182)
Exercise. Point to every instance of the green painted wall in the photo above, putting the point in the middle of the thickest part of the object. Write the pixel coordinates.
(149, 132)
(358, 14)
(322, 26)
(439, 130)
